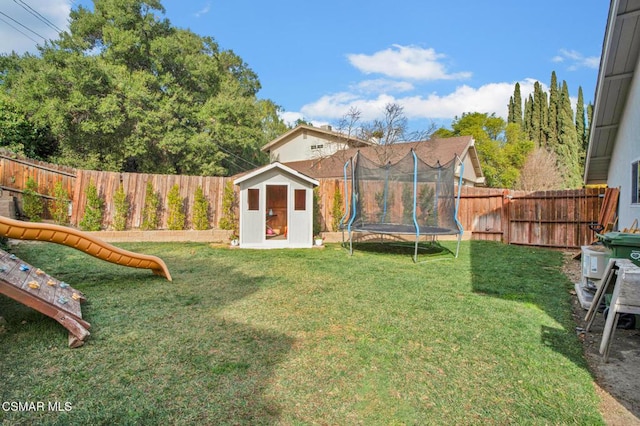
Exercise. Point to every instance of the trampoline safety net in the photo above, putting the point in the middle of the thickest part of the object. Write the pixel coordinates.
(407, 197)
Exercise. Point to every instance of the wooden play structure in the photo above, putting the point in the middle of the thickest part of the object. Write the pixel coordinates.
(36, 289)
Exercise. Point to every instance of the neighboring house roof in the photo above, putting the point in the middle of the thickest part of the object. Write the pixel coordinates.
(279, 166)
(620, 51)
(322, 132)
(431, 152)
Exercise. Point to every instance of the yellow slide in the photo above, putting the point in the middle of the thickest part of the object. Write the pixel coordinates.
(82, 241)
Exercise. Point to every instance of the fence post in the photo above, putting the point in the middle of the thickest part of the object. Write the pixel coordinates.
(506, 216)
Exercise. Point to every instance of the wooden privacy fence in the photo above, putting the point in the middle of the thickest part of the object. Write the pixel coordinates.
(15, 171)
(135, 186)
(540, 218)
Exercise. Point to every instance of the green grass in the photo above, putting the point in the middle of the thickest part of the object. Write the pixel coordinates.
(304, 337)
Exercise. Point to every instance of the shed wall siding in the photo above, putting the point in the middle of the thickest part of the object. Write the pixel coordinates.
(300, 220)
(253, 223)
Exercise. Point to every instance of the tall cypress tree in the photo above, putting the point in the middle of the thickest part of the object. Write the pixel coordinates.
(568, 149)
(580, 121)
(544, 117)
(552, 120)
(539, 116)
(526, 121)
(510, 118)
(517, 105)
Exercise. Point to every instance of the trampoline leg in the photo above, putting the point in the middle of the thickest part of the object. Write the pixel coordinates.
(415, 252)
(458, 246)
(350, 244)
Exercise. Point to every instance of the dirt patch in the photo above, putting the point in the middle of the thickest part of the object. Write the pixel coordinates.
(618, 380)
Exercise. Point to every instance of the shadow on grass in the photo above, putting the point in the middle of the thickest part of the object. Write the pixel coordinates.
(397, 245)
(530, 276)
(160, 352)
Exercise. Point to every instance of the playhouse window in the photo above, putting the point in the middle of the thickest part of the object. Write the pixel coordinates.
(300, 198)
(635, 182)
(253, 198)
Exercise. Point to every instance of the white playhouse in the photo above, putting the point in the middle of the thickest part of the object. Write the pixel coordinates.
(276, 208)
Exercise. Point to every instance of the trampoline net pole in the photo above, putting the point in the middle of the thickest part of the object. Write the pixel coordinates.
(415, 204)
(346, 199)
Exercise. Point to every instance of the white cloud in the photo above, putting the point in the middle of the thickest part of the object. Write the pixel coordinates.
(290, 117)
(383, 85)
(576, 60)
(489, 98)
(410, 62)
(25, 31)
(203, 11)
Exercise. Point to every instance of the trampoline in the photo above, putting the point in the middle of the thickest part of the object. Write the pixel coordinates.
(409, 197)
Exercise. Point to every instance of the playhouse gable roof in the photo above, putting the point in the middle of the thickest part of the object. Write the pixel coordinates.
(279, 166)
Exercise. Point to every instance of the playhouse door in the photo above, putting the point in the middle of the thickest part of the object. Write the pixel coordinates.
(276, 212)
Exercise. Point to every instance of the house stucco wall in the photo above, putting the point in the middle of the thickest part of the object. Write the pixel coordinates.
(627, 151)
(304, 146)
(469, 176)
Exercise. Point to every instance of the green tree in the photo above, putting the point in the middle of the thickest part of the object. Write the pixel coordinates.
(150, 213)
(317, 216)
(337, 209)
(425, 205)
(124, 90)
(568, 150)
(200, 218)
(443, 132)
(515, 106)
(407, 202)
(19, 135)
(93, 210)
(502, 148)
(32, 204)
(581, 125)
(538, 128)
(120, 209)
(528, 115)
(229, 219)
(176, 217)
(554, 105)
(60, 204)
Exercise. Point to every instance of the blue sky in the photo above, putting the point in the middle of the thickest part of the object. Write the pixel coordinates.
(437, 59)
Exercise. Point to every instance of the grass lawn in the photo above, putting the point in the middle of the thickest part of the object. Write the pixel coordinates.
(304, 337)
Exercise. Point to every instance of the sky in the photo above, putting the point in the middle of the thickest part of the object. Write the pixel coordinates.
(317, 60)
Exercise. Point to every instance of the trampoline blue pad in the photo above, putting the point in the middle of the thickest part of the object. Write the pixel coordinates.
(390, 228)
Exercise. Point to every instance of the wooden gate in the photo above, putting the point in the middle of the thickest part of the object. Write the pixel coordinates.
(553, 218)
